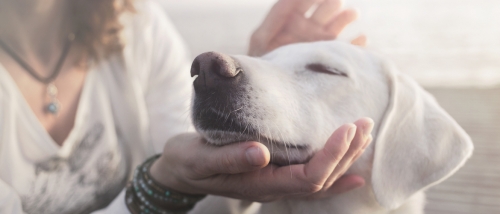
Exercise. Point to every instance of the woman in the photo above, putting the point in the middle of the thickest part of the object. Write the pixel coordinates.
(91, 88)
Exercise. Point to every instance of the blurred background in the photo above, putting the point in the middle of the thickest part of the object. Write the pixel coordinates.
(450, 47)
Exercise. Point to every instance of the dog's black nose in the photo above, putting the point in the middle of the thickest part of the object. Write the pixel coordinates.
(214, 70)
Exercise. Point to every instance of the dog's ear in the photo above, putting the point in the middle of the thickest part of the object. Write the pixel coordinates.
(418, 143)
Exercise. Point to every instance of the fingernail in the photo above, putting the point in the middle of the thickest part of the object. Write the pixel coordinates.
(367, 130)
(350, 133)
(368, 141)
(255, 156)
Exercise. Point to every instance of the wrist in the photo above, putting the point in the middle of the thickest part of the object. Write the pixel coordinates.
(161, 172)
(158, 173)
(145, 194)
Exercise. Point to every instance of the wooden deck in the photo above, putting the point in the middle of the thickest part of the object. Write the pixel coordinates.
(474, 189)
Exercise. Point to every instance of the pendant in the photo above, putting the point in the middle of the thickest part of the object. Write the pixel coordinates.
(54, 106)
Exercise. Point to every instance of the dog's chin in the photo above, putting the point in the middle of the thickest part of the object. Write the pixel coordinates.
(281, 154)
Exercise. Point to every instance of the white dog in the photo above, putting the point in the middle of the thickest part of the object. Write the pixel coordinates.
(293, 98)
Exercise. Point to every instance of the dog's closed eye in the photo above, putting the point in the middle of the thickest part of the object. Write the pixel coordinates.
(320, 68)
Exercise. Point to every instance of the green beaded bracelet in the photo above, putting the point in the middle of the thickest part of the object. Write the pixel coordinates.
(145, 195)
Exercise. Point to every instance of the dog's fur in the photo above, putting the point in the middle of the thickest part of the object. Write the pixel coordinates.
(293, 98)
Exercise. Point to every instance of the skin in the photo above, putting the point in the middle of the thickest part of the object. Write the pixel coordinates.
(242, 170)
(36, 31)
(286, 24)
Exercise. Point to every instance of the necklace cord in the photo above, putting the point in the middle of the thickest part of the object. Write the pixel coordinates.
(30, 70)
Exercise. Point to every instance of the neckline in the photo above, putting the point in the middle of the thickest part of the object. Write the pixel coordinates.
(36, 124)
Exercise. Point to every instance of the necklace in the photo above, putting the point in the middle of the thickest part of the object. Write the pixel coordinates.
(54, 105)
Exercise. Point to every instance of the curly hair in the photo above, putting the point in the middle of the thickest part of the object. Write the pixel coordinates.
(97, 25)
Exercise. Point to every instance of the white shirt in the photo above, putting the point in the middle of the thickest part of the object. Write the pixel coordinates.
(130, 105)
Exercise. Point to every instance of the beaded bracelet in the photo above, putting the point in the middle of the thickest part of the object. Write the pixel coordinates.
(145, 195)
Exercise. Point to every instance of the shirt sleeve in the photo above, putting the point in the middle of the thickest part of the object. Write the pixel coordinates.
(160, 62)
(9, 200)
(169, 90)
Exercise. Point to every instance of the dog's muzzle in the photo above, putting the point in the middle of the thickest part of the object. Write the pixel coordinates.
(219, 88)
(224, 113)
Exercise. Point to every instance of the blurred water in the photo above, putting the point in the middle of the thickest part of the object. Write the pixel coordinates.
(438, 42)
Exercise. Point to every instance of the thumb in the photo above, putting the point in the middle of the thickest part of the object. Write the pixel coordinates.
(361, 40)
(236, 158)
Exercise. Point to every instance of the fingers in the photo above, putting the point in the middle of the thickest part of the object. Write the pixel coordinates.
(274, 21)
(343, 19)
(360, 141)
(300, 29)
(325, 161)
(230, 159)
(335, 185)
(304, 31)
(276, 30)
(326, 23)
(192, 156)
(326, 11)
(286, 23)
(343, 184)
(346, 183)
(302, 6)
(296, 179)
(361, 40)
(270, 182)
(368, 141)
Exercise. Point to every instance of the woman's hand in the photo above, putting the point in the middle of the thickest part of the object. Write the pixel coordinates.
(242, 170)
(286, 24)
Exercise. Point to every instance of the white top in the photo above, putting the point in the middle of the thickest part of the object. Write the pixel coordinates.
(130, 105)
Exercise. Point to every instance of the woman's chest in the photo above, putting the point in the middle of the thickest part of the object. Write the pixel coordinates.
(93, 164)
(63, 94)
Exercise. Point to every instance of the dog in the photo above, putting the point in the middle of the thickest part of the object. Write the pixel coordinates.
(294, 97)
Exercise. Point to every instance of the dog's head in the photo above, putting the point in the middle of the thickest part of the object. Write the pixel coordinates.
(293, 98)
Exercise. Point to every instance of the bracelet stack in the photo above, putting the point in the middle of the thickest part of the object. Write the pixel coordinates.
(144, 195)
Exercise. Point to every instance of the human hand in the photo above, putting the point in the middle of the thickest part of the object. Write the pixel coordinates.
(242, 170)
(286, 24)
